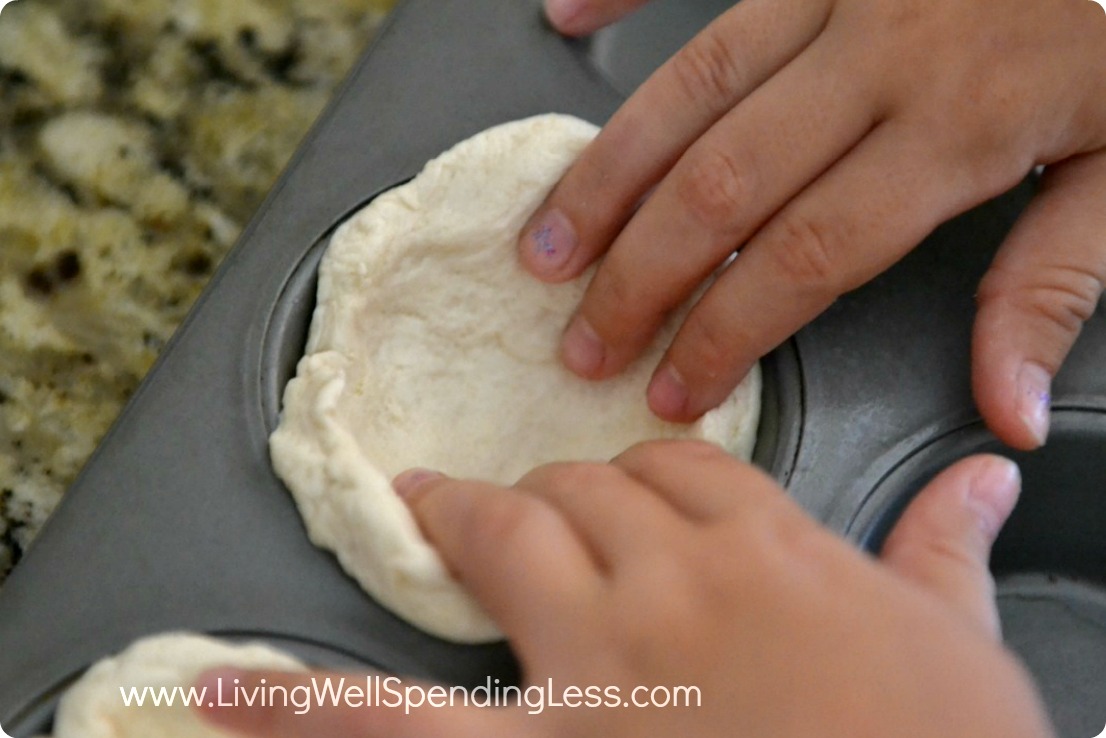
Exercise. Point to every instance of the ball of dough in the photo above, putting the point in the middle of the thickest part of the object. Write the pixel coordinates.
(431, 347)
(93, 707)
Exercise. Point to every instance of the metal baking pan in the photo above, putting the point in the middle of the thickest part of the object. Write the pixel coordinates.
(177, 522)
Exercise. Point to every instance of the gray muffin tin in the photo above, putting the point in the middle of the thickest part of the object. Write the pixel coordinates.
(178, 522)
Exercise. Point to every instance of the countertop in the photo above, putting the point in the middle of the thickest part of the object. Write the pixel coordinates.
(137, 137)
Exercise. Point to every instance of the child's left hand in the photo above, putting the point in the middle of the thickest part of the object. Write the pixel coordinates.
(676, 565)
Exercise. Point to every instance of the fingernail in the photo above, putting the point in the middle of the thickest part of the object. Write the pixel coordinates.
(562, 12)
(407, 482)
(668, 395)
(993, 494)
(582, 349)
(550, 244)
(1034, 399)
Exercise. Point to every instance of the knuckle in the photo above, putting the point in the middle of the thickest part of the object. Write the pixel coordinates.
(707, 70)
(806, 252)
(618, 289)
(655, 619)
(621, 307)
(506, 520)
(712, 346)
(566, 478)
(714, 189)
(661, 452)
(1064, 296)
(774, 536)
(743, 556)
(992, 159)
(733, 570)
(939, 549)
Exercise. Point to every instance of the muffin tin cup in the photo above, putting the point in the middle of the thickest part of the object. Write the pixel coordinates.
(1049, 562)
(178, 522)
(778, 432)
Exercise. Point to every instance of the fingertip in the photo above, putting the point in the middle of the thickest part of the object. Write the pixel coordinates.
(207, 683)
(566, 15)
(1012, 393)
(219, 681)
(1033, 401)
(582, 17)
(547, 245)
(407, 483)
(993, 491)
(987, 486)
(668, 395)
(1014, 403)
(680, 396)
(582, 349)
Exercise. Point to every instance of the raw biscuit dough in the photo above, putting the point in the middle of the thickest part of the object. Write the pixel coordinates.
(93, 706)
(431, 347)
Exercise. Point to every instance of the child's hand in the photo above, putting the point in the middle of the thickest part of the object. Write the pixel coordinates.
(826, 138)
(677, 566)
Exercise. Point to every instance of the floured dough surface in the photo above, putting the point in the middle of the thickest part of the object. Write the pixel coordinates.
(431, 347)
(93, 707)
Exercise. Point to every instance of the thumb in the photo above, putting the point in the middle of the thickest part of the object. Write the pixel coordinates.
(581, 17)
(943, 540)
(1045, 281)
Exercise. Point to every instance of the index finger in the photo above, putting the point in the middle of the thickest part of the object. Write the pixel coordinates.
(594, 200)
(514, 553)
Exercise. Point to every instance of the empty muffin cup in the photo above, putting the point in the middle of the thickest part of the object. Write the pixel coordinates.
(1049, 562)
